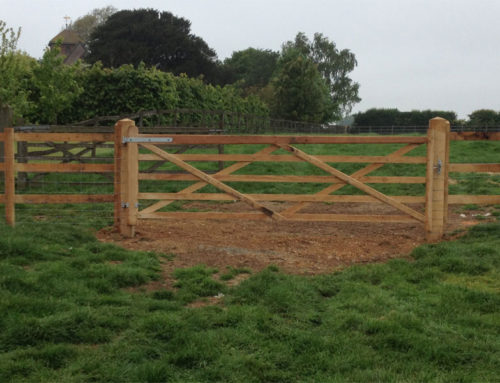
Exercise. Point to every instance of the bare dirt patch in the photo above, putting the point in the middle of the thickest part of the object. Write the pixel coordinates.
(295, 247)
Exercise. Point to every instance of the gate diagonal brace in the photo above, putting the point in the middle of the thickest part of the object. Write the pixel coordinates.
(360, 173)
(354, 182)
(197, 186)
(212, 181)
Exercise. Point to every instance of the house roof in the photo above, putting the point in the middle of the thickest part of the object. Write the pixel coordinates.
(76, 54)
(68, 37)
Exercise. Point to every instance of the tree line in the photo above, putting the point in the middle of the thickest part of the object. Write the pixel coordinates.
(147, 59)
(394, 117)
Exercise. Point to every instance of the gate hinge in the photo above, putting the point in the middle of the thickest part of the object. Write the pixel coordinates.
(151, 140)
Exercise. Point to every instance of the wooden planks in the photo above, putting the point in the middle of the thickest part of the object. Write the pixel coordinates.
(203, 215)
(187, 196)
(70, 137)
(289, 179)
(66, 168)
(197, 186)
(305, 217)
(288, 158)
(356, 183)
(295, 217)
(103, 198)
(472, 168)
(63, 198)
(474, 199)
(193, 139)
(212, 181)
(358, 174)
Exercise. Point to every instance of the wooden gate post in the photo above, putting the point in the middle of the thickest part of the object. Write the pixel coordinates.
(436, 193)
(9, 174)
(126, 178)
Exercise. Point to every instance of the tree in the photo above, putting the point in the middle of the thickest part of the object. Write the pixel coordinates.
(251, 68)
(484, 117)
(15, 71)
(158, 39)
(334, 66)
(300, 92)
(54, 87)
(85, 25)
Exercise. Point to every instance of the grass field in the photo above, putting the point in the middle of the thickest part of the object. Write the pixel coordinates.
(72, 309)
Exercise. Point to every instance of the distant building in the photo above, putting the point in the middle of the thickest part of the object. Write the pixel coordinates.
(71, 47)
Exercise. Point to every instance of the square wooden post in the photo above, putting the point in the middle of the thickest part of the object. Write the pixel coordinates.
(126, 178)
(436, 193)
(5, 122)
(10, 179)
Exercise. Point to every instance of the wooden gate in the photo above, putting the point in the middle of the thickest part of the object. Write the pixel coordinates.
(278, 149)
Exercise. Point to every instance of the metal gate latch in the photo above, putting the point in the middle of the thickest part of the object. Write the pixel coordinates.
(439, 166)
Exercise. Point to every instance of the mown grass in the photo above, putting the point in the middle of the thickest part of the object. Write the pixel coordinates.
(73, 309)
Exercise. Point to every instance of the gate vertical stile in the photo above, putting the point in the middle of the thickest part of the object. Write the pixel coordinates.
(436, 193)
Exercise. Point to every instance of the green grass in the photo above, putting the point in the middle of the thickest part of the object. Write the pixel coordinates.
(73, 309)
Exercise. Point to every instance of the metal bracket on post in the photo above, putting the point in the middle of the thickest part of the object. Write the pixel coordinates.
(125, 205)
(439, 166)
(151, 140)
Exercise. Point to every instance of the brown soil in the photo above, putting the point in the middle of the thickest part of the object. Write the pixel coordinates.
(295, 247)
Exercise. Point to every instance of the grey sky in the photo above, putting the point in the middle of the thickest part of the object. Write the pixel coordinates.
(412, 54)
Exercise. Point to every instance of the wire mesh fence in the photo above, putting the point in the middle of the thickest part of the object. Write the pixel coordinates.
(58, 188)
(52, 197)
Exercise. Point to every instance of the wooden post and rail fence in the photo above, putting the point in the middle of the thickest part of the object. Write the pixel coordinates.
(126, 174)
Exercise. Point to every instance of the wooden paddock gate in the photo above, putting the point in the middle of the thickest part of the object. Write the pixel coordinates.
(131, 149)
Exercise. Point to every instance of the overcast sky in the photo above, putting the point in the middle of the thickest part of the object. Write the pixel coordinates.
(412, 54)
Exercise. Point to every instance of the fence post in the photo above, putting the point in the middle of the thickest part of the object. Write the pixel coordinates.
(9, 174)
(436, 193)
(5, 122)
(126, 178)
